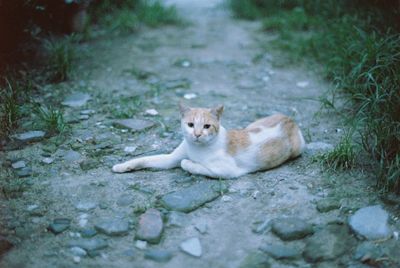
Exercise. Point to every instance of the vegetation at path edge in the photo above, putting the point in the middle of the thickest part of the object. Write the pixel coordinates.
(358, 44)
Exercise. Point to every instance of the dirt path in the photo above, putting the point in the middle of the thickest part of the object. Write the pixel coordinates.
(220, 61)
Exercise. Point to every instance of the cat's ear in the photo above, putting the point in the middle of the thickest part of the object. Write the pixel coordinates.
(217, 111)
(183, 108)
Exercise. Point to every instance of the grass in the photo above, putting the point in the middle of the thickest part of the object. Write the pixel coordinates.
(61, 53)
(155, 14)
(358, 45)
(343, 156)
(124, 17)
(127, 107)
(49, 119)
(9, 109)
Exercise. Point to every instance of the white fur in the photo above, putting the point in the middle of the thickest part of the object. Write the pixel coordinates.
(208, 156)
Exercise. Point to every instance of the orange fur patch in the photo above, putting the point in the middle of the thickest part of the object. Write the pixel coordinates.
(237, 140)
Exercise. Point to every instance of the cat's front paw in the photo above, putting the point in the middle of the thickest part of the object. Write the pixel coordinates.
(120, 168)
(189, 166)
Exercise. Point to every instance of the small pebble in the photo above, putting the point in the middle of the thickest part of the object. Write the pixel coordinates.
(77, 259)
(302, 84)
(18, 165)
(151, 112)
(47, 160)
(190, 96)
(140, 244)
(226, 198)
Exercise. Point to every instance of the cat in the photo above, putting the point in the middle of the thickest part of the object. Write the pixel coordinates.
(209, 149)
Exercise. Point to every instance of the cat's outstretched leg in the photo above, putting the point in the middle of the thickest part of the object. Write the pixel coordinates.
(217, 171)
(196, 168)
(161, 161)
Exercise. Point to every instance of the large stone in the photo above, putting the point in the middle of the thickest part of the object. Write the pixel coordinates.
(328, 244)
(190, 198)
(255, 260)
(192, 247)
(328, 204)
(59, 225)
(278, 251)
(113, 227)
(177, 219)
(291, 228)
(371, 223)
(19, 164)
(158, 255)
(35, 135)
(150, 226)
(76, 99)
(72, 156)
(133, 125)
(368, 251)
(89, 244)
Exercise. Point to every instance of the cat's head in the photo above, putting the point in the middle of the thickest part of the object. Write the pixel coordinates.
(200, 125)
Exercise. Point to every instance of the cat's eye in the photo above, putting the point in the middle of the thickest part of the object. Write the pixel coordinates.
(190, 125)
(207, 126)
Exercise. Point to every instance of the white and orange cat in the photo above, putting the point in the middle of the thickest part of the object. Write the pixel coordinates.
(209, 149)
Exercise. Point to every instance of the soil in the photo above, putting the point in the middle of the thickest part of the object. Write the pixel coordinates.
(220, 60)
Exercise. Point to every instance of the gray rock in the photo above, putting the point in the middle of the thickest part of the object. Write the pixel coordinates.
(371, 223)
(24, 172)
(177, 219)
(368, 251)
(133, 125)
(35, 135)
(125, 200)
(291, 228)
(192, 247)
(150, 226)
(83, 117)
(5, 245)
(85, 205)
(89, 232)
(158, 255)
(47, 160)
(19, 164)
(328, 204)
(88, 164)
(72, 156)
(280, 251)
(87, 112)
(190, 198)
(77, 251)
(113, 227)
(255, 260)
(76, 99)
(328, 244)
(89, 244)
(59, 225)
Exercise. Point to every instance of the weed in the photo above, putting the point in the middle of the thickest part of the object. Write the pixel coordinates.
(358, 45)
(123, 21)
(61, 52)
(244, 9)
(127, 107)
(9, 109)
(50, 119)
(153, 13)
(343, 156)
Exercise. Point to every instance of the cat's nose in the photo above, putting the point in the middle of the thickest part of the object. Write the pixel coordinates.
(197, 135)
